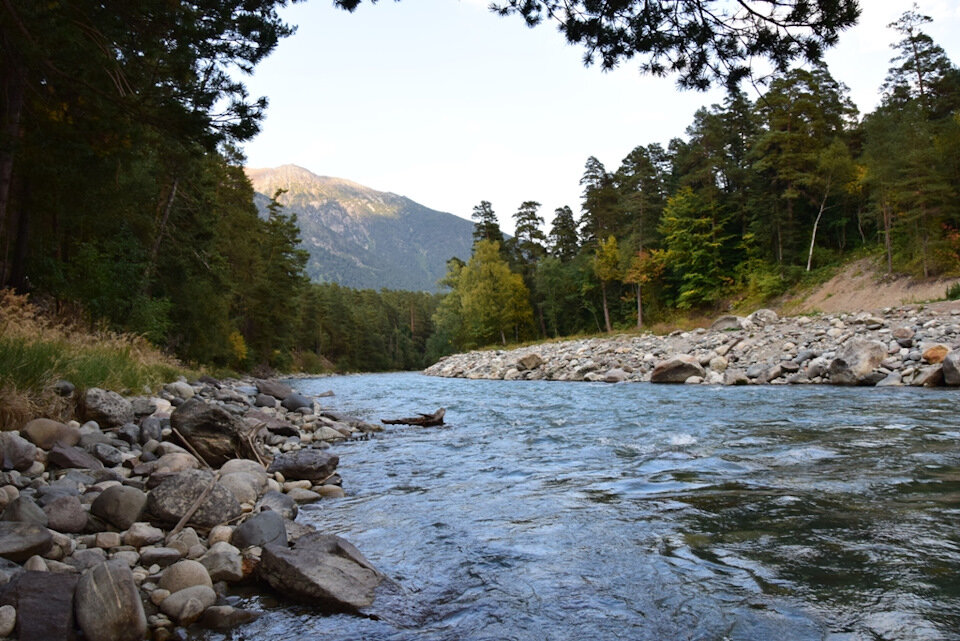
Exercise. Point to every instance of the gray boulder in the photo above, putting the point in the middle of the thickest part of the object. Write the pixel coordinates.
(265, 400)
(45, 606)
(275, 389)
(143, 405)
(306, 464)
(176, 494)
(295, 401)
(676, 370)
(162, 556)
(119, 505)
(615, 375)
(66, 514)
(265, 528)
(107, 454)
(24, 509)
(64, 388)
(151, 429)
(86, 559)
(225, 617)
(184, 574)
(108, 604)
(73, 457)
(726, 323)
(323, 570)
(45, 433)
(223, 562)
(855, 362)
(188, 604)
(19, 541)
(763, 317)
(8, 620)
(735, 377)
(107, 408)
(951, 368)
(179, 388)
(529, 361)
(212, 431)
(279, 503)
(893, 379)
(16, 452)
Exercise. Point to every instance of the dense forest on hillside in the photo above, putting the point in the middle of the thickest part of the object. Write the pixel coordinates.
(756, 196)
(123, 201)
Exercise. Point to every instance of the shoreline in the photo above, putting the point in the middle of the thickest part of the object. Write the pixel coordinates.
(917, 345)
(134, 523)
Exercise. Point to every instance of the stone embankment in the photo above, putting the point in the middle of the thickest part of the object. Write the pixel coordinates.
(896, 346)
(134, 523)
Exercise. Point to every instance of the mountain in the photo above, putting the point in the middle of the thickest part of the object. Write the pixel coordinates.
(363, 238)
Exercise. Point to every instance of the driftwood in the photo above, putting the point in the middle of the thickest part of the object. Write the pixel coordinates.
(424, 420)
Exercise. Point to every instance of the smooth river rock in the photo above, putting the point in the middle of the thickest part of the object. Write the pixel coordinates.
(323, 570)
(120, 505)
(108, 604)
(45, 433)
(45, 606)
(855, 361)
(16, 452)
(676, 370)
(308, 464)
(107, 408)
(170, 500)
(213, 432)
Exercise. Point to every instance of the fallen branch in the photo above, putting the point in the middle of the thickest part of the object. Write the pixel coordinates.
(191, 448)
(193, 508)
(424, 420)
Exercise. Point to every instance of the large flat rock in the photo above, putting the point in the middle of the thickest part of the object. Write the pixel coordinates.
(323, 570)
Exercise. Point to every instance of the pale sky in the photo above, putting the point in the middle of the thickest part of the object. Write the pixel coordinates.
(448, 104)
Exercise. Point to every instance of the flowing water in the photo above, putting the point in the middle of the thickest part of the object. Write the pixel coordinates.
(554, 511)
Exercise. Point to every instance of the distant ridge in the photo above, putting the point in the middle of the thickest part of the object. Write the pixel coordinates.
(363, 238)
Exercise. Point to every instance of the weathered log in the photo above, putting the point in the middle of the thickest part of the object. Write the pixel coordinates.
(424, 420)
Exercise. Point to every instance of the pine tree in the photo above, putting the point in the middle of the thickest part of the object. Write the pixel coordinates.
(564, 241)
(922, 71)
(529, 236)
(486, 227)
(694, 242)
(600, 204)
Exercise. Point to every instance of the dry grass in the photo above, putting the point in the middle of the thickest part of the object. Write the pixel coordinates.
(37, 350)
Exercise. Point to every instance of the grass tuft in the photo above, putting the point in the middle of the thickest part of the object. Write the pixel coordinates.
(37, 350)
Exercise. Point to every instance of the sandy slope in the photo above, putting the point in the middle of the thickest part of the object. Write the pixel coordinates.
(861, 286)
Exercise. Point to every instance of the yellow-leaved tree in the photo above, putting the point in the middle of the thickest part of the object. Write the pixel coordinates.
(495, 302)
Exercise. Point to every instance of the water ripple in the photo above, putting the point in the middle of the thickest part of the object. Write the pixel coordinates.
(572, 511)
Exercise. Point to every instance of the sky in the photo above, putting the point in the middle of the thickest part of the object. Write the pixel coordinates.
(448, 104)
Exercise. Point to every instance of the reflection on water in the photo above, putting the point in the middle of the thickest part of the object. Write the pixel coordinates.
(590, 511)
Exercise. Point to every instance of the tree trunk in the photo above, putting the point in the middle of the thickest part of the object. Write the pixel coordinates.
(887, 223)
(161, 229)
(639, 308)
(606, 312)
(11, 92)
(18, 271)
(816, 223)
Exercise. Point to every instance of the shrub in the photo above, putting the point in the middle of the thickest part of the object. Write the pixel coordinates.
(953, 292)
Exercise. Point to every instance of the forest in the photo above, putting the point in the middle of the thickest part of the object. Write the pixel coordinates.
(759, 196)
(123, 202)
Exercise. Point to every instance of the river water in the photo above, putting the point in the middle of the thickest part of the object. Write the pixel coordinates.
(554, 511)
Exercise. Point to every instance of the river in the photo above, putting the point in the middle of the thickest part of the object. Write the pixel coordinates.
(554, 511)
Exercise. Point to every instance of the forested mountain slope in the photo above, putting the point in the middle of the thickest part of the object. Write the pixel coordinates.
(363, 238)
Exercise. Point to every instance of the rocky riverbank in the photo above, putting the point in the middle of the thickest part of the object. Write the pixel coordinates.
(912, 345)
(134, 523)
